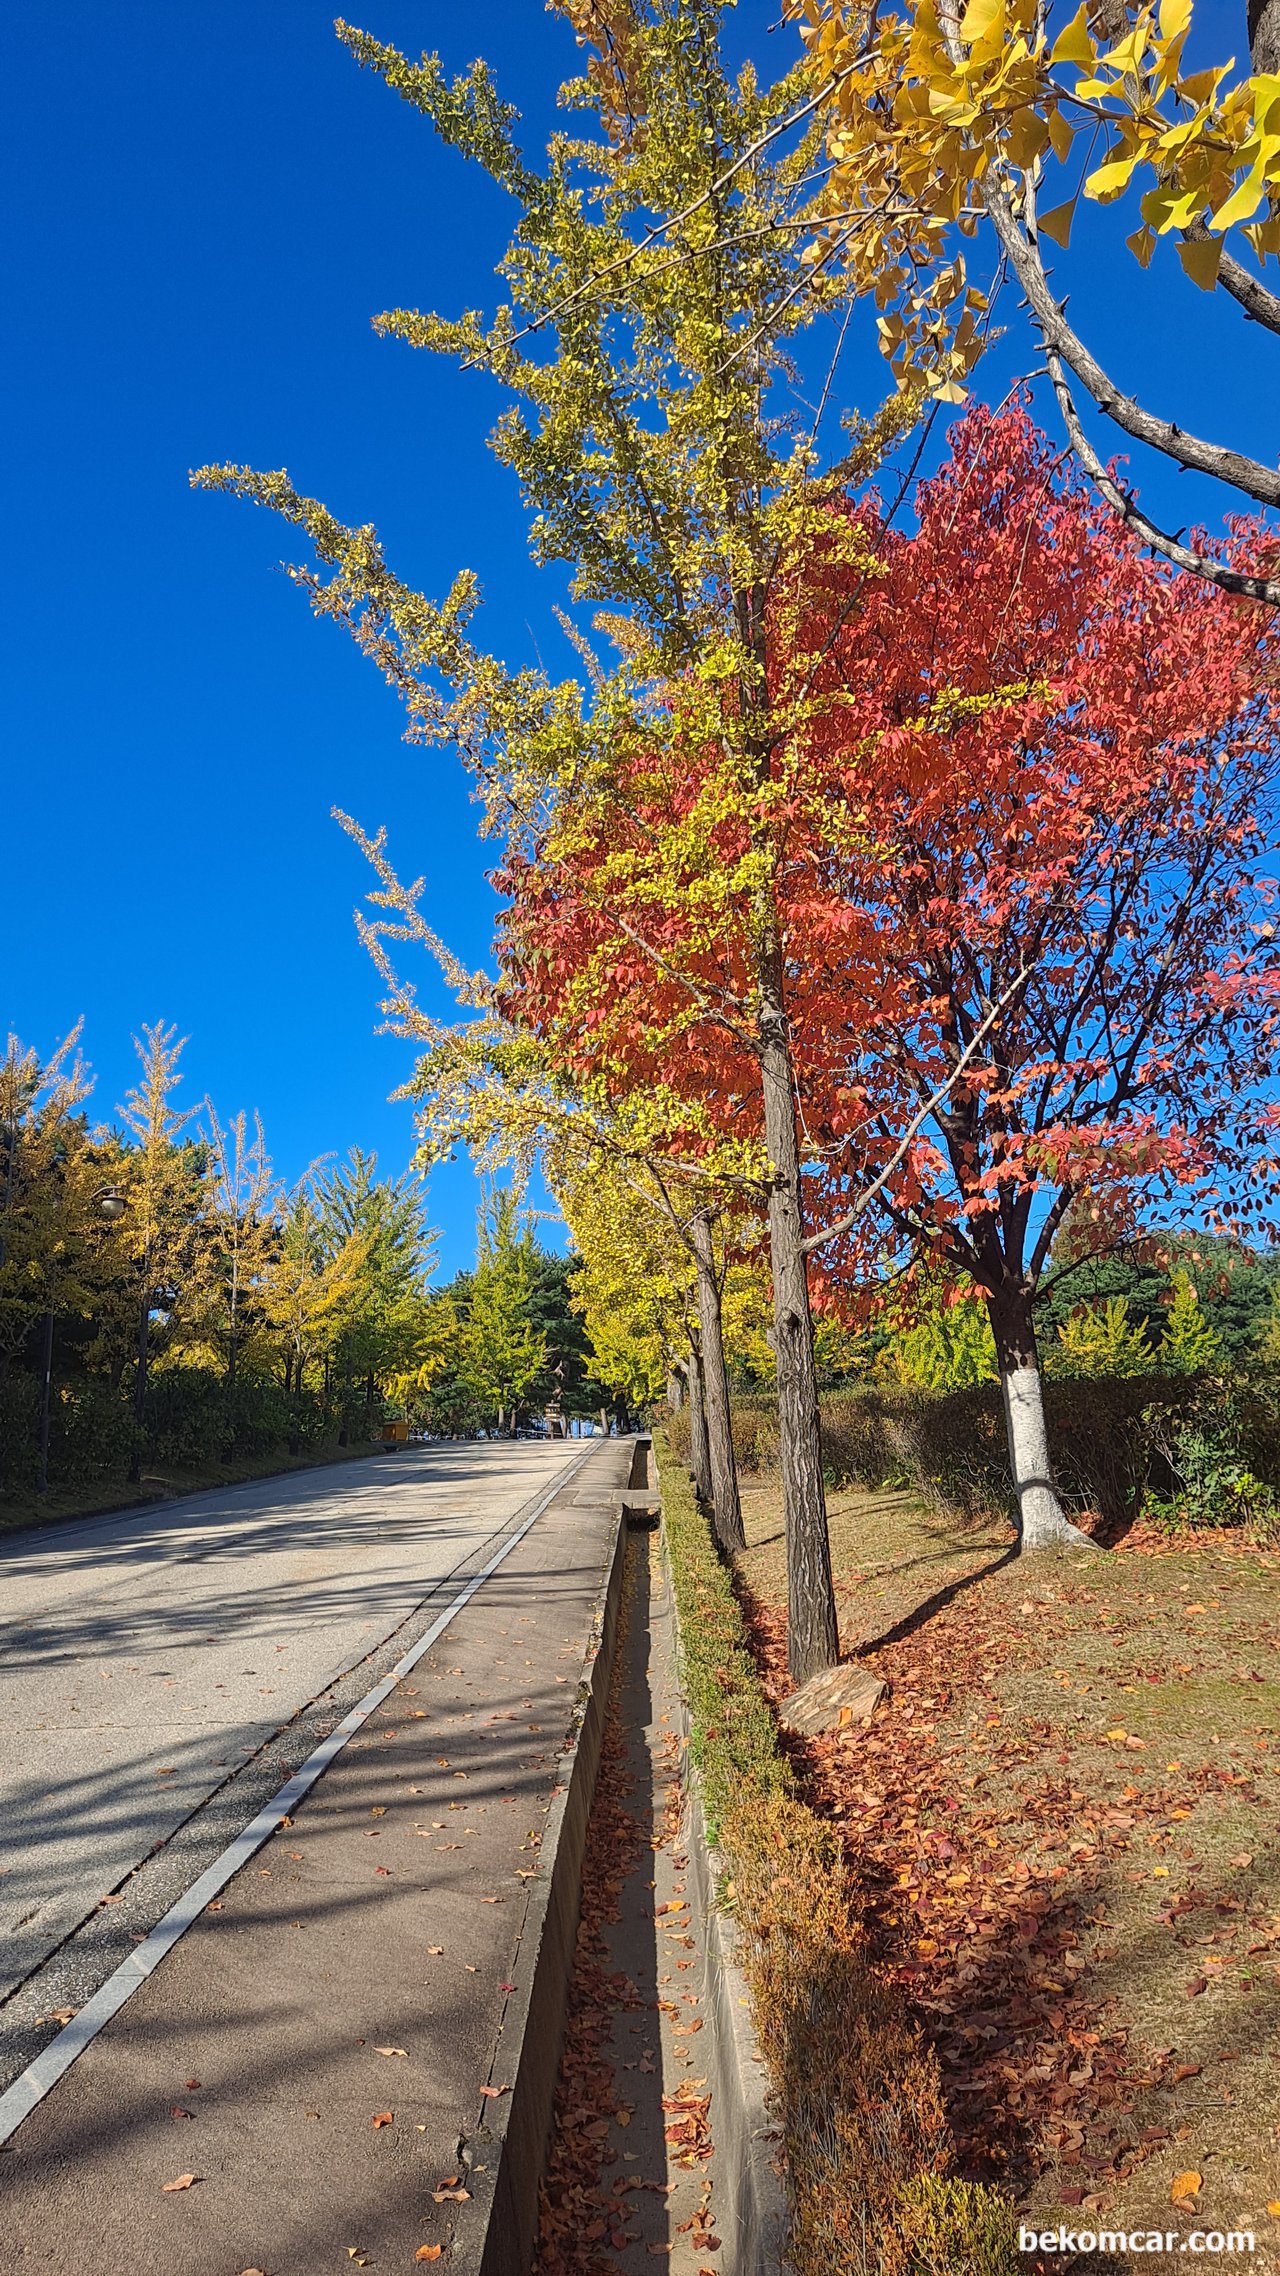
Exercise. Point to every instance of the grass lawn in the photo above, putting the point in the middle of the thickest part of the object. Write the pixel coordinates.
(1065, 1822)
(158, 1485)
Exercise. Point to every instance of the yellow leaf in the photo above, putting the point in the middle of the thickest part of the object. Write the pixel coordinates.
(1175, 15)
(1142, 245)
(979, 18)
(1185, 2185)
(1274, 2206)
(1074, 45)
(1110, 179)
(1061, 135)
(1201, 260)
(1244, 202)
(1056, 223)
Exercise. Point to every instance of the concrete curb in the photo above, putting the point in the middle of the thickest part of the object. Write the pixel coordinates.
(506, 2155)
(750, 2198)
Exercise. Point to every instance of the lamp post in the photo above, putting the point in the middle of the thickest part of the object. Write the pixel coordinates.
(110, 1205)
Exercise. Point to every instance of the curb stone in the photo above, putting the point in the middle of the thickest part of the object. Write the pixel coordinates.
(751, 2203)
(505, 2156)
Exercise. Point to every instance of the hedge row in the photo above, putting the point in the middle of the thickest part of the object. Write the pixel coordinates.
(1110, 1439)
(191, 1421)
(867, 2143)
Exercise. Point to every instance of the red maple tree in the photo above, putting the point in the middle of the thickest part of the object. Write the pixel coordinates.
(1016, 857)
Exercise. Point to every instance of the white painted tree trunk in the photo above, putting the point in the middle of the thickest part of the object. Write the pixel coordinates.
(1042, 1521)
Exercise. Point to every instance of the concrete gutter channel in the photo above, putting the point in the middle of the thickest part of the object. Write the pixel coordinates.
(496, 2231)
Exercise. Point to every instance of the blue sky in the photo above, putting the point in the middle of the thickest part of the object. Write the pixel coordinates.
(206, 206)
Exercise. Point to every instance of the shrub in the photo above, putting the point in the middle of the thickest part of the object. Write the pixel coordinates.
(950, 1448)
(858, 2088)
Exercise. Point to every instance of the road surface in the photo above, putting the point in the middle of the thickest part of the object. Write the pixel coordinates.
(305, 2079)
(146, 1656)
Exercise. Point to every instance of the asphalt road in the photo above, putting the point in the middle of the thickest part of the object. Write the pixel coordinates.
(146, 1656)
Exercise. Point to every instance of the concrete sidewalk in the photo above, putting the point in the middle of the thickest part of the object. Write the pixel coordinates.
(387, 1917)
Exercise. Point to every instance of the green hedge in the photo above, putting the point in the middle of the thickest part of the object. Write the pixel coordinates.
(868, 2149)
(1110, 1439)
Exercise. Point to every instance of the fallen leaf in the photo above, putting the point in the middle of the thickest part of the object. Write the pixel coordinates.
(1186, 2070)
(450, 2196)
(176, 2111)
(192, 2085)
(391, 2050)
(379, 1810)
(436, 1948)
(428, 2252)
(1197, 1985)
(1185, 2186)
(1274, 2206)
(184, 2181)
(383, 2118)
(494, 2091)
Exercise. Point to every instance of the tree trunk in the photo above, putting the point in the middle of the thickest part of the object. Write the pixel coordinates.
(699, 1451)
(726, 1505)
(813, 1638)
(1041, 1520)
(675, 1390)
(1263, 19)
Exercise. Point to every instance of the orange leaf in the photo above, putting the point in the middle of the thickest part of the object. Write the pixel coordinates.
(384, 2118)
(184, 2181)
(428, 2252)
(1185, 2185)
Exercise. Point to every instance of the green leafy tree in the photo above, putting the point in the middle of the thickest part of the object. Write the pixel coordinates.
(391, 1321)
(1188, 1345)
(503, 1352)
(166, 1175)
(1100, 1339)
(945, 1346)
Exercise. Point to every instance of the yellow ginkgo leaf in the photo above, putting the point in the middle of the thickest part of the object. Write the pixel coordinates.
(1112, 178)
(1074, 44)
(1244, 202)
(980, 18)
(1175, 15)
(1056, 223)
(1201, 259)
(1061, 135)
(1185, 2186)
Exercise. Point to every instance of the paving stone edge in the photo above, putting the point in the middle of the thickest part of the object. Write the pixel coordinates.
(750, 2197)
(505, 2156)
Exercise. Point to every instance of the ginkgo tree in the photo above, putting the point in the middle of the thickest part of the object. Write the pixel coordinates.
(669, 453)
(954, 119)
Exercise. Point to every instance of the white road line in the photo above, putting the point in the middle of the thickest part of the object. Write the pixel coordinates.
(53, 2061)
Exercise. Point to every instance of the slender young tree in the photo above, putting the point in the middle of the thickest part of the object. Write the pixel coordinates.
(655, 296)
(166, 1182)
(242, 1230)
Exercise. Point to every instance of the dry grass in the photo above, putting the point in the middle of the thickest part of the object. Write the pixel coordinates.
(1063, 1821)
